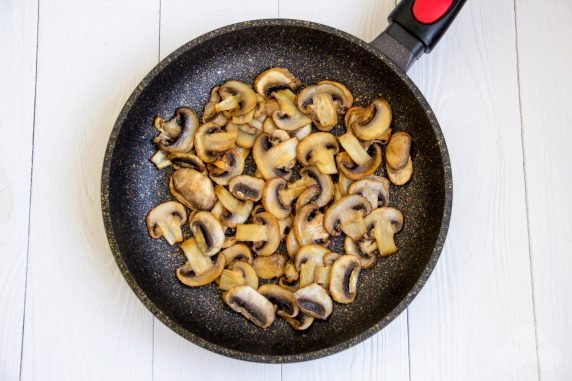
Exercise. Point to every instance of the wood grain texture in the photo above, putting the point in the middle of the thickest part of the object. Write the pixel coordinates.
(82, 320)
(545, 83)
(385, 356)
(474, 319)
(174, 357)
(18, 27)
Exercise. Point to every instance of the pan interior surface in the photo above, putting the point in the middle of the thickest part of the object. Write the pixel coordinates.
(135, 186)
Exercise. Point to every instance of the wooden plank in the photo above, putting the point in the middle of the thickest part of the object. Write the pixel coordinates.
(545, 82)
(82, 320)
(474, 319)
(385, 356)
(18, 30)
(175, 357)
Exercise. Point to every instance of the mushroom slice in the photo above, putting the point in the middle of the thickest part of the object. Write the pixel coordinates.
(397, 150)
(236, 211)
(354, 149)
(177, 134)
(344, 184)
(237, 97)
(300, 322)
(323, 102)
(347, 215)
(281, 298)
(252, 305)
(246, 188)
(192, 189)
(264, 233)
(199, 270)
(212, 140)
(309, 226)
(372, 122)
(275, 155)
(229, 165)
(208, 233)
(382, 224)
(290, 278)
(277, 195)
(400, 176)
(357, 172)
(285, 225)
(245, 134)
(160, 159)
(288, 117)
(292, 244)
(273, 79)
(364, 251)
(186, 160)
(374, 188)
(229, 238)
(319, 149)
(238, 274)
(270, 267)
(237, 252)
(307, 259)
(325, 184)
(344, 278)
(307, 197)
(165, 220)
(209, 113)
(314, 300)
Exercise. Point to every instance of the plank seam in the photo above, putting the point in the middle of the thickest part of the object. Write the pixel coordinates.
(408, 347)
(526, 190)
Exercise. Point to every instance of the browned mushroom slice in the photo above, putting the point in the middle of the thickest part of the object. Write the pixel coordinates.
(290, 278)
(300, 322)
(344, 278)
(314, 300)
(210, 114)
(208, 233)
(397, 150)
(288, 117)
(347, 215)
(344, 184)
(372, 122)
(252, 305)
(354, 148)
(283, 299)
(165, 221)
(229, 165)
(199, 270)
(237, 252)
(374, 188)
(323, 102)
(238, 274)
(212, 140)
(285, 225)
(382, 224)
(307, 259)
(400, 176)
(160, 159)
(193, 189)
(357, 172)
(275, 156)
(276, 78)
(292, 244)
(235, 211)
(186, 160)
(309, 226)
(363, 250)
(319, 150)
(177, 134)
(270, 267)
(237, 97)
(264, 233)
(246, 188)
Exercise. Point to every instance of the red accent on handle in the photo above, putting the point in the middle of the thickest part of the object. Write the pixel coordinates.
(429, 11)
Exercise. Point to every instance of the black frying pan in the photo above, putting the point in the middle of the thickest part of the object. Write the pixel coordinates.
(131, 185)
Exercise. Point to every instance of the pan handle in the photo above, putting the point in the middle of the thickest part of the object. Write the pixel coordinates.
(415, 27)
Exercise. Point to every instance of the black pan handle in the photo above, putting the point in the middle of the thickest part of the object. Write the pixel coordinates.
(415, 27)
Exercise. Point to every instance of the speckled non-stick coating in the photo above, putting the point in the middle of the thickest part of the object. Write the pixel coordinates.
(131, 186)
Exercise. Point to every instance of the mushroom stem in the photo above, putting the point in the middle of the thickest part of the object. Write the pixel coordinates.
(353, 147)
(325, 110)
(229, 103)
(322, 275)
(383, 232)
(199, 263)
(284, 152)
(307, 271)
(160, 160)
(325, 162)
(230, 279)
(355, 227)
(251, 233)
(287, 196)
(171, 230)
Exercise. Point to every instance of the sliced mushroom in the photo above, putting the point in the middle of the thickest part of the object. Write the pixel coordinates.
(398, 159)
(270, 267)
(229, 238)
(281, 298)
(285, 225)
(344, 278)
(347, 215)
(323, 102)
(292, 245)
(237, 252)
(322, 276)
(300, 322)
(288, 117)
(212, 140)
(353, 147)
(238, 274)
(309, 226)
(210, 114)
(325, 184)
(400, 176)
(264, 233)
(186, 160)
(229, 165)
(344, 184)
(278, 195)
(199, 270)
(246, 188)
(208, 233)
(372, 122)
(275, 156)
(237, 97)
(374, 188)
(245, 134)
(307, 197)
(160, 159)
(274, 79)
(314, 300)
(307, 259)
(357, 172)
(363, 250)
(319, 150)
(290, 278)
(382, 224)
(165, 220)
(192, 189)
(235, 211)
(178, 133)
(252, 305)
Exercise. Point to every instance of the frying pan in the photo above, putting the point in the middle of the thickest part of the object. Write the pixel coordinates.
(131, 185)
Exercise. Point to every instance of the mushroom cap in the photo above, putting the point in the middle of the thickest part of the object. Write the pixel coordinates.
(366, 257)
(271, 198)
(324, 182)
(392, 215)
(269, 267)
(237, 252)
(372, 122)
(229, 165)
(322, 102)
(374, 188)
(235, 211)
(252, 305)
(186, 160)
(314, 300)
(283, 299)
(188, 277)
(343, 211)
(247, 99)
(208, 233)
(318, 149)
(274, 156)
(343, 278)
(274, 79)
(308, 196)
(266, 248)
(192, 189)
(397, 150)
(356, 172)
(177, 134)
(309, 226)
(400, 176)
(165, 220)
(212, 140)
(246, 188)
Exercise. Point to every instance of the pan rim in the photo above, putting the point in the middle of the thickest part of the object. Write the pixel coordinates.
(263, 358)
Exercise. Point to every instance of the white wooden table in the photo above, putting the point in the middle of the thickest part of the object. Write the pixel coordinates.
(497, 307)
